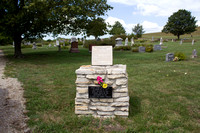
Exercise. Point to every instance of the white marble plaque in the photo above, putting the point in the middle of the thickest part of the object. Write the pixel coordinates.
(102, 55)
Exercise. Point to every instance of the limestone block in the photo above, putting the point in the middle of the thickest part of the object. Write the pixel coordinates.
(104, 113)
(83, 112)
(121, 113)
(110, 100)
(109, 82)
(122, 99)
(105, 108)
(95, 76)
(119, 104)
(94, 99)
(123, 108)
(84, 71)
(99, 104)
(81, 107)
(100, 71)
(120, 90)
(93, 108)
(121, 81)
(78, 95)
(80, 76)
(116, 76)
(82, 81)
(81, 90)
(81, 103)
(82, 100)
(116, 95)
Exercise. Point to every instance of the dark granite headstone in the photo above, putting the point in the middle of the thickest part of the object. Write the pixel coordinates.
(169, 57)
(74, 47)
(157, 47)
(141, 49)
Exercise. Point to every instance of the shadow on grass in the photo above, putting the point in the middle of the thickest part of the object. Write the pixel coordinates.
(135, 106)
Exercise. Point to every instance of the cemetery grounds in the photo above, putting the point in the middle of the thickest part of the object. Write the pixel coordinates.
(164, 96)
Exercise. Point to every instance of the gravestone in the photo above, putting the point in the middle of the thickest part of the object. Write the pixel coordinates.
(102, 55)
(157, 47)
(91, 98)
(34, 46)
(152, 38)
(194, 54)
(74, 46)
(118, 42)
(132, 41)
(57, 43)
(169, 57)
(172, 40)
(161, 41)
(13, 44)
(193, 42)
(126, 42)
(141, 49)
(181, 42)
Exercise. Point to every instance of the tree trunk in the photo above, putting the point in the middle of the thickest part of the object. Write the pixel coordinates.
(59, 48)
(18, 53)
(178, 36)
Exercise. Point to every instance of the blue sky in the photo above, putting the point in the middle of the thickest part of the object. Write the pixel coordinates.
(151, 14)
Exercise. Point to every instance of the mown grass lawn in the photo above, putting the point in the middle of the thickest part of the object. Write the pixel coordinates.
(164, 96)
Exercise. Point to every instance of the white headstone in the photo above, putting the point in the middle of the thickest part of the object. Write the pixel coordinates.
(132, 41)
(57, 42)
(126, 42)
(194, 53)
(49, 45)
(34, 46)
(193, 42)
(172, 40)
(161, 41)
(181, 42)
(13, 44)
(118, 42)
(152, 38)
(102, 55)
(73, 39)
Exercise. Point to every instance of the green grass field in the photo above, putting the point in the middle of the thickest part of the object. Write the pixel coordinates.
(164, 96)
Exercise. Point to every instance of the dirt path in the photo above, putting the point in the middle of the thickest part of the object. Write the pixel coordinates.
(12, 107)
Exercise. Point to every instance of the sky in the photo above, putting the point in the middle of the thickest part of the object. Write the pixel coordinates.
(151, 14)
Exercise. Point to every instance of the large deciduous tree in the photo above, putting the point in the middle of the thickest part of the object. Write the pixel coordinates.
(96, 27)
(138, 30)
(117, 29)
(180, 22)
(23, 19)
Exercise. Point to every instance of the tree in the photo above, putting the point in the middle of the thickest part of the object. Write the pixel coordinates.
(138, 30)
(179, 23)
(117, 29)
(25, 19)
(96, 27)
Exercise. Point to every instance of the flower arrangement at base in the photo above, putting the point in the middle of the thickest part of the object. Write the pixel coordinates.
(176, 59)
(101, 83)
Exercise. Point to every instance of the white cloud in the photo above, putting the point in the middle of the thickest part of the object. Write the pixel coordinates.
(160, 7)
(149, 27)
(198, 23)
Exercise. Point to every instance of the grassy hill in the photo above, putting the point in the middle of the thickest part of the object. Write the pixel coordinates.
(195, 35)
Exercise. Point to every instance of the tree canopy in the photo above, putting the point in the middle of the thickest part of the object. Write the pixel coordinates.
(117, 29)
(138, 30)
(96, 27)
(21, 19)
(180, 22)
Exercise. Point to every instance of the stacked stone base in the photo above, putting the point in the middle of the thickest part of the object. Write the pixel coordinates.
(116, 77)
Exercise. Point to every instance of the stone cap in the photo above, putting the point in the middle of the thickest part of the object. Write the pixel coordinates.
(115, 69)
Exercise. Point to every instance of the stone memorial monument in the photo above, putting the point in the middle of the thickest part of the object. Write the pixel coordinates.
(132, 41)
(152, 38)
(118, 42)
(161, 41)
(34, 46)
(181, 42)
(194, 54)
(74, 46)
(157, 47)
(126, 42)
(141, 49)
(102, 101)
(193, 42)
(169, 57)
